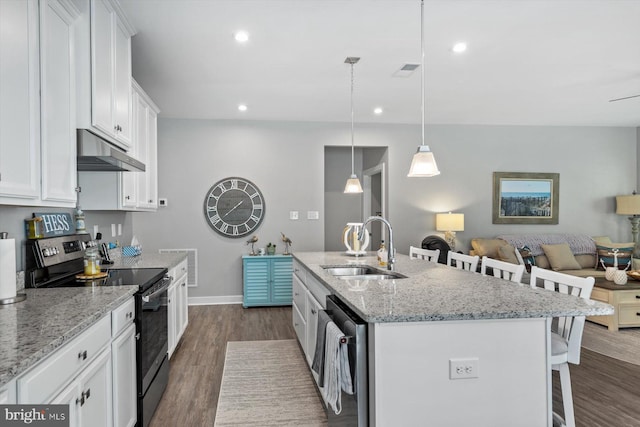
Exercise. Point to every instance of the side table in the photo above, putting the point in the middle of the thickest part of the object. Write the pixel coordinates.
(625, 299)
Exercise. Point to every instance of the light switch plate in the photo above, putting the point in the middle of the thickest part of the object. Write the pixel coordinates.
(313, 215)
(293, 215)
(113, 230)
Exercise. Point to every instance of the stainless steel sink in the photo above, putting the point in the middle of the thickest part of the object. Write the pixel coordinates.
(363, 272)
(373, 277)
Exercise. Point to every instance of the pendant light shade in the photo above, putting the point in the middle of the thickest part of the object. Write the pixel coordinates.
(353, 183)
(423, 163)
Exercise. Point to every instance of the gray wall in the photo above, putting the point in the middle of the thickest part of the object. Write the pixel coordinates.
(286, 160)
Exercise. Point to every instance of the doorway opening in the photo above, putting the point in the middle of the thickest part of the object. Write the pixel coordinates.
(370, 166)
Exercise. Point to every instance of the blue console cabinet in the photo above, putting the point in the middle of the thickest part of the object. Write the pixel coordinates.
(267, 280)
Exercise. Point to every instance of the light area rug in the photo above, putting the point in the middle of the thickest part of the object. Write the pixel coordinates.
(267, 383)
(623, 344)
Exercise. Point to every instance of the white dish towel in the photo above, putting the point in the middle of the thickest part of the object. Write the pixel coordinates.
(337, 373)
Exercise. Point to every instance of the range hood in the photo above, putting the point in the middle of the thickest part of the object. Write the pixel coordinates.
(98, 155)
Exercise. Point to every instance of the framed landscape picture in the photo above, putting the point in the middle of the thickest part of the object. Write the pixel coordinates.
(525, 198)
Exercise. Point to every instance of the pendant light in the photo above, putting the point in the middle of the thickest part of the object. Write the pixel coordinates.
(423, 163)
(353, 183)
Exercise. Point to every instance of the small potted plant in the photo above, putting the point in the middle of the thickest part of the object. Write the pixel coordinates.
(271, 249)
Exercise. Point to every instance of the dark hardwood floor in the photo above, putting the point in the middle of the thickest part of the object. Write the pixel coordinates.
(606, 391)
(191, 397)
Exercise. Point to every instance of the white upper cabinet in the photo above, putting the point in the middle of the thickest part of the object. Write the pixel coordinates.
(37, 106)
(146, 142)
(104, 71)
(19, 102)
(129, 191)
(58, 114)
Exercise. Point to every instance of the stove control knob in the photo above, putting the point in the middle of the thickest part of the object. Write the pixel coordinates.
(56, 251)
(46, 252)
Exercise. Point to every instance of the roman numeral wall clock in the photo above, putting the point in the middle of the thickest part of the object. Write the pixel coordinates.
(234, 207)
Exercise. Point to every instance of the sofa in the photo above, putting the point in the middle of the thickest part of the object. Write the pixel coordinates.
(575, 254)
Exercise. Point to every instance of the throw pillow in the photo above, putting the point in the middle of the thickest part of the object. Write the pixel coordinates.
(560, 257)
(606, 257)
(507, 253)
(487, 247)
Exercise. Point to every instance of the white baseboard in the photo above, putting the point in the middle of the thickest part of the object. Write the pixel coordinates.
(230, 299)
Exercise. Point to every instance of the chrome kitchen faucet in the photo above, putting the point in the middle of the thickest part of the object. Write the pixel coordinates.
(391, 259)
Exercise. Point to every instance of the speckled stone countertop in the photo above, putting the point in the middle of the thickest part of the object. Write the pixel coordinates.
(146, 260)
(435, 292)
(49, 318)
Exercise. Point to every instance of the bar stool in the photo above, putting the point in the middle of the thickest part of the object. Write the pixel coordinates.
(566, 341)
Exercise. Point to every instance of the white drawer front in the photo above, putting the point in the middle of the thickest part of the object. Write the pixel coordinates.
(299, 271)
(122, 316)
(181, 269)
(300, 326)
(41, 383)
(299, 295)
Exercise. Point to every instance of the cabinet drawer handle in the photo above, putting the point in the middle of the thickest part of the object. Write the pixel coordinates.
(637, 296)
(82, 355)
(637, 313)
(313, 311)
(296, 294)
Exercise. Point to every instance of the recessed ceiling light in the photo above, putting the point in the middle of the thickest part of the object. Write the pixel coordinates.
(377, 110)
(459, 47)
(241, 36)
(242, 107)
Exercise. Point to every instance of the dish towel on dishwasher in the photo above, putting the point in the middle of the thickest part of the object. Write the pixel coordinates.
(318, 355)
(337, 373)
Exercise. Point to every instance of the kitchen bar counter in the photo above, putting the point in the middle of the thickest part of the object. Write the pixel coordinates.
(423, 326)
(49, 318)
(435, 292)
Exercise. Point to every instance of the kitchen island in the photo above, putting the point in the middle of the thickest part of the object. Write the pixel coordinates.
(437, 316)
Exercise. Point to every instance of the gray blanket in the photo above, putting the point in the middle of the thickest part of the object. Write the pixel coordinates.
(318, 354)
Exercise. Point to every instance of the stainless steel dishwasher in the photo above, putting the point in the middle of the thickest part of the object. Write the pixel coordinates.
(355, 408)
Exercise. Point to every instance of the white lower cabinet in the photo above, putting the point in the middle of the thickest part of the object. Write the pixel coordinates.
(177, 305)
(313, 307)
(8, 393)
(123, 355)
(89, 394)
(307, 293)
(95, 374)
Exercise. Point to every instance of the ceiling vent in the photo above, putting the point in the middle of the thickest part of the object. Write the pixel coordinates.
(406, 70)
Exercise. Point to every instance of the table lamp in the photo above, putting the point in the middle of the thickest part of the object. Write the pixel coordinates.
(630, 205)
(450, 223)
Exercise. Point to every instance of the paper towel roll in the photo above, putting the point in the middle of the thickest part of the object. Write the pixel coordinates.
(7, 268)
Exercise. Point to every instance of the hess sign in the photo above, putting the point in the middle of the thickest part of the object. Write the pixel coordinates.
(56, 224)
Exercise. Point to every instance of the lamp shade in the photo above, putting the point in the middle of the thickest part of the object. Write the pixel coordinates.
(353, 185)
(628, 205)
(450, 222)
(423, 164)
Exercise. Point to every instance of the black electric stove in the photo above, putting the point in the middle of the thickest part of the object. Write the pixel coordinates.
(57, 262)
(144, 278)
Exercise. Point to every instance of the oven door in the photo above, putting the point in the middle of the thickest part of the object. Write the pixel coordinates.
(151, 319)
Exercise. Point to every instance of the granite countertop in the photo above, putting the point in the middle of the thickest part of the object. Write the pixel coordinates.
(435, 292)
(145, 260)
(47, 319)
